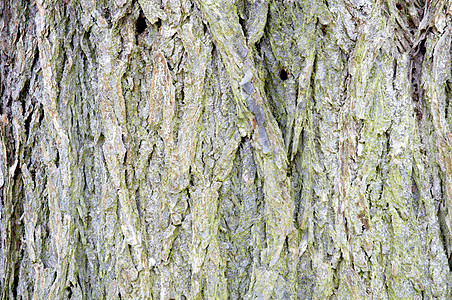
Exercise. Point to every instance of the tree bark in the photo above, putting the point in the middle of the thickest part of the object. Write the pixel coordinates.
(219, 149)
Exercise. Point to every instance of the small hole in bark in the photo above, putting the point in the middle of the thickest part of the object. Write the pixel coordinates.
(283, 74)
(158, 24)
(141, 24)
(399, 6)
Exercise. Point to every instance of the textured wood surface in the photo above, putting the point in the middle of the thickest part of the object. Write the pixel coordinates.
(219, 149)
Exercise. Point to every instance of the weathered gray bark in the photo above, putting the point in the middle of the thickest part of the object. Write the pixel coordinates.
(213, 149)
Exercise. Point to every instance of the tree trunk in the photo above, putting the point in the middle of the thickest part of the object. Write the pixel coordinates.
(219, 149)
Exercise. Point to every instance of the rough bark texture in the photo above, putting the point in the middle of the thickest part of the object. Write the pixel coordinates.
(215, 149)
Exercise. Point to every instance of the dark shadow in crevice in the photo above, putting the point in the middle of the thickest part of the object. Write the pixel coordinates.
(444, 232)
(141, 24)
(243, 25)
(16, 275)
